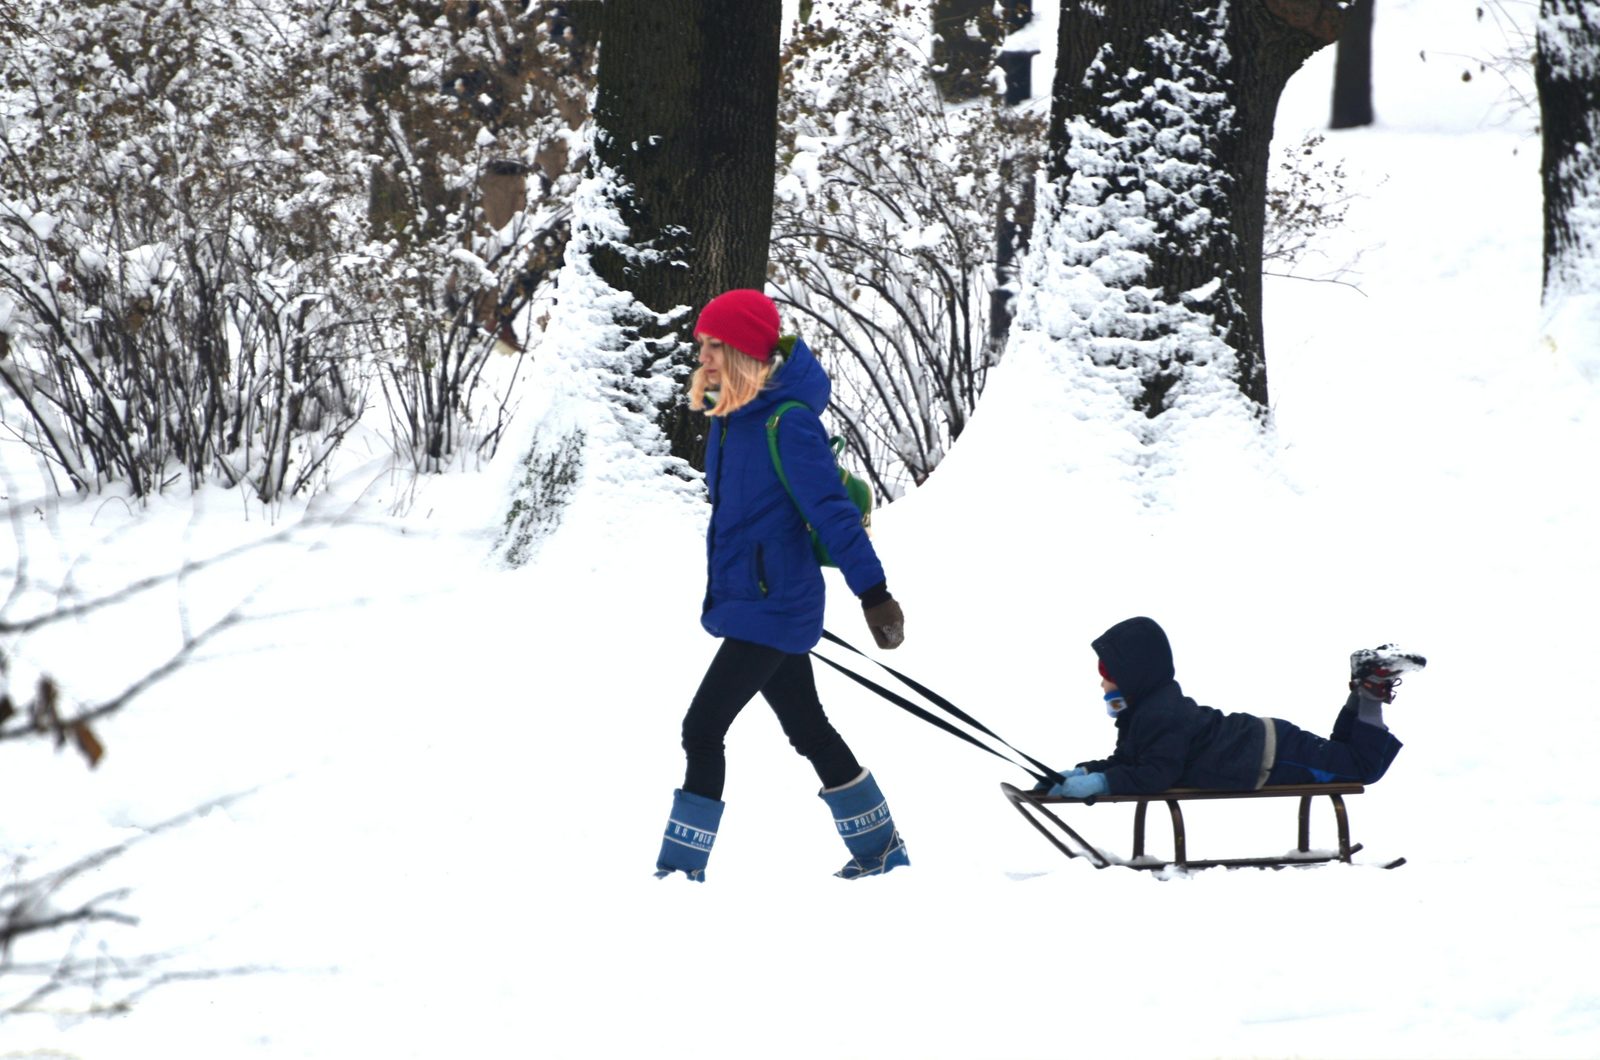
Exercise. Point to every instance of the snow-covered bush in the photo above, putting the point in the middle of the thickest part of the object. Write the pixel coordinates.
(472, 112)
(884, 230)
(219, 224)
(168, 214)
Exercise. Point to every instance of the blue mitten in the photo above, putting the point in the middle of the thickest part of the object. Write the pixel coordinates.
(1082, 786)
(1049, 786)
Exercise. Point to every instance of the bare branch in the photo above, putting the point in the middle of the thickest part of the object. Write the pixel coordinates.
(30, 907)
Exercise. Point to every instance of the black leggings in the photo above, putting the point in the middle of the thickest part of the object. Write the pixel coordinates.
(739, 671)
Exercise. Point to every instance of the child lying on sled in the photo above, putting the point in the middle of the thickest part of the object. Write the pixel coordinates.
(1167, 740)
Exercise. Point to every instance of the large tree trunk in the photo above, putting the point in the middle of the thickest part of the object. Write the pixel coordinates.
(1568, 78)
(1352, 70)
(687, 118)
(1160, 131)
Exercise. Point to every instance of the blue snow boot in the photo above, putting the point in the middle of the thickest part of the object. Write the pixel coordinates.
(864, 823)
(691, 829)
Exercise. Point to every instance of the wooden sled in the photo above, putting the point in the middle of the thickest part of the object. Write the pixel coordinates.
(1035, 806)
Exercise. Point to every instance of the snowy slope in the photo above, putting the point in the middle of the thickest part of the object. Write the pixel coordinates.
(460, 772)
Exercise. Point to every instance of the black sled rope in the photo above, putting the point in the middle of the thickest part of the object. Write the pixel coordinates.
(1044, 773)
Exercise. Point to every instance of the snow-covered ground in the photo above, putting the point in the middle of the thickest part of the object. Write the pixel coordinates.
(456, 774)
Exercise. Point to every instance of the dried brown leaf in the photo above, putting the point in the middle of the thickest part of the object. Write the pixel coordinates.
(88, 743)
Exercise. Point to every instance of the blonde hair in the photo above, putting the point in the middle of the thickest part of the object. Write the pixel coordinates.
(743, 377)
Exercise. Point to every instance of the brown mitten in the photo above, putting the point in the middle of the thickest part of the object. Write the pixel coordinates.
(887, 622)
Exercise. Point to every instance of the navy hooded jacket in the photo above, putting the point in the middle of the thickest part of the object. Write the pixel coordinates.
(763, 581)
(1164, 738)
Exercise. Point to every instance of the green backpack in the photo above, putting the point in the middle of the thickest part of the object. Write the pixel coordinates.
(860, 493)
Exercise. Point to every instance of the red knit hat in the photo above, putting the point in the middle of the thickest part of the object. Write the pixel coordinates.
(744, 319)
(1103, 672)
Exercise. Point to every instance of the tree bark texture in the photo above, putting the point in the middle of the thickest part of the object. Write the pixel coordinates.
(1186, 95)
(1352, 70)
(687, 118)
(1567, 74)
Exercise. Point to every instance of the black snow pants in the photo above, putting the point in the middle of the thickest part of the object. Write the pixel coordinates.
(740, 670)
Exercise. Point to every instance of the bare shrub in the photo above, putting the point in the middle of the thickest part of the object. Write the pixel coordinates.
(167, 253)
(884, 233)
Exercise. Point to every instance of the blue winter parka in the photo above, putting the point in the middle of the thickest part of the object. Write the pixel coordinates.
(763, 582)
(1164, 738)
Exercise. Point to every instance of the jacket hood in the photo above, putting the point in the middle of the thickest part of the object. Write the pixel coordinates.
(1137, 655)
(799, 378)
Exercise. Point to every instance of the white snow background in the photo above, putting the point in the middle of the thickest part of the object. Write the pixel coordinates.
(459, 773)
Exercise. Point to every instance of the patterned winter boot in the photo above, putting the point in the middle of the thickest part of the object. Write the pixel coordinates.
(691, 829)
(862, 816)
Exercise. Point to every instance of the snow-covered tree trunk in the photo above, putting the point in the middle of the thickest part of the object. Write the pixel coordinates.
(687, 121)
(676, 207)
(1147, 249)
(1568, 77)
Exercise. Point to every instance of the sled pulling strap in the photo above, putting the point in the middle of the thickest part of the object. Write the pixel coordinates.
(1044, 773)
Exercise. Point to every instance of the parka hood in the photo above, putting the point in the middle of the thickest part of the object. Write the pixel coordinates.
(1138, 657)
(799, 378)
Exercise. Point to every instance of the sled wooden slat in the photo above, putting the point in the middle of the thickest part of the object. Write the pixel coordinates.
(1036, 808)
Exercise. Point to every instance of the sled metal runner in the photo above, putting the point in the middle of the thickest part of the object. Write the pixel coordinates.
(1036, 807)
